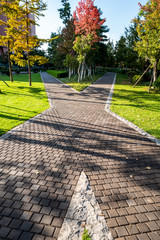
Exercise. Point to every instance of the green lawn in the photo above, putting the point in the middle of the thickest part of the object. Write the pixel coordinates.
(136, 105)
(54, 73)
(73, 82)
(19, 102)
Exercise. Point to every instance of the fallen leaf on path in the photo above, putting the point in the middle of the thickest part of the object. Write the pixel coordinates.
(148, 168)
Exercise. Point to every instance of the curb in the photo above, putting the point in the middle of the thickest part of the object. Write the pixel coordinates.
(128, 123)
(50, 99)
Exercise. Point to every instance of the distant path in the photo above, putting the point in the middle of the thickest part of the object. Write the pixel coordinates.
(40, 165)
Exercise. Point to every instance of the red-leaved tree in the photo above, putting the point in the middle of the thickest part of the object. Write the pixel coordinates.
(87, 23)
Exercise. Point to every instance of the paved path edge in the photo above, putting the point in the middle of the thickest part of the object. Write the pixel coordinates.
(130, 124)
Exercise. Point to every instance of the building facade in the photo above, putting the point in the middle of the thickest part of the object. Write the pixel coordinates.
(4, 49)
(2, 33)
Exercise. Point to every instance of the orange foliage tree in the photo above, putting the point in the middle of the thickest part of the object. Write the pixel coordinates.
(87, 22)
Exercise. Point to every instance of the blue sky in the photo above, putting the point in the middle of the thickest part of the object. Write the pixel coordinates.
(118, 14)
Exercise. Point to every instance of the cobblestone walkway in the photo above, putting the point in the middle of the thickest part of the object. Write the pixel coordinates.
(40, 164)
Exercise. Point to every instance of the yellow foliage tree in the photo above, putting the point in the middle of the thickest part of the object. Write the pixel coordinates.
(26, 41)
(10, 10)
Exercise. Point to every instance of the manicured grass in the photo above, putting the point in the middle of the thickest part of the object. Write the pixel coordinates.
(81, 85)
(19, 102)
(55, 73)
(137, 105)
(73, 82)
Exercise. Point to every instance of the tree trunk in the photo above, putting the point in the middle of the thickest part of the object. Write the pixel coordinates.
(27, 39)
(150, 84)
(29, 70)
(84, 71)
(155, 71)
(79, 72)
(70, 72)
(89, 71)
(9, 63)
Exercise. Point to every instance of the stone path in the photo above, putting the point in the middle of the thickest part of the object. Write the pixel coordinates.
(40, 165)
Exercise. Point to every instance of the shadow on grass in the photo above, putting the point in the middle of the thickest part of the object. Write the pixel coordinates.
(137, 99)
(32, 90)
(24, 78)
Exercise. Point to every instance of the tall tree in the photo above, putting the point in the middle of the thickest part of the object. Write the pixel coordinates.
(65, 11)
(121, 52)
(31, 10)
(87, 23)
(148, 28)
(10, 11)
(55, 56)
(65, 46)
(131, 37)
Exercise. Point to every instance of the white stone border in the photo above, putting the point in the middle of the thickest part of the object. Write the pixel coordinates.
(130, 124)
(50, 100)
(109, 99)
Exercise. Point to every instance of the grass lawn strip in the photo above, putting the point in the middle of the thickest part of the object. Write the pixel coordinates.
(136, 105)
(73, 82)
(19, 102)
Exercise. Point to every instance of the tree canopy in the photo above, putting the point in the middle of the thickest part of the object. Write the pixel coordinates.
(148, 28)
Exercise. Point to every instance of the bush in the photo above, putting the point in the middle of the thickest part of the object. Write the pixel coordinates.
(135, 78)
(123, 71)
(147, 77)
(5, 71)
(62, 74)
(156, 84)
(35, 69)
(17, 71)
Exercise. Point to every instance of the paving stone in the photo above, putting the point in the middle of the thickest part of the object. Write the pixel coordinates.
(14, 234)
(26, 236)
(57, 222)
(4, 231)
(48, 231)
(46, 220)
(37, 228)
(121, 231)
(26, 226)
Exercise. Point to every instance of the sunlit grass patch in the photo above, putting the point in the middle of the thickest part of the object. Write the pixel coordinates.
(19, 102)
(137, 105)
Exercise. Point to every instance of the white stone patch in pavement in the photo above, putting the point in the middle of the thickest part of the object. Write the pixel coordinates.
(84, 212)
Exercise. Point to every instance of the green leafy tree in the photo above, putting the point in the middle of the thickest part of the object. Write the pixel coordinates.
(132, 58)
(65, 46)
(148, 28)
(65, 11)
(56, 58)
(121, 52)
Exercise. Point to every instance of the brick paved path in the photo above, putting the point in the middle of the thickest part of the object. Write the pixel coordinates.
(41, 162)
